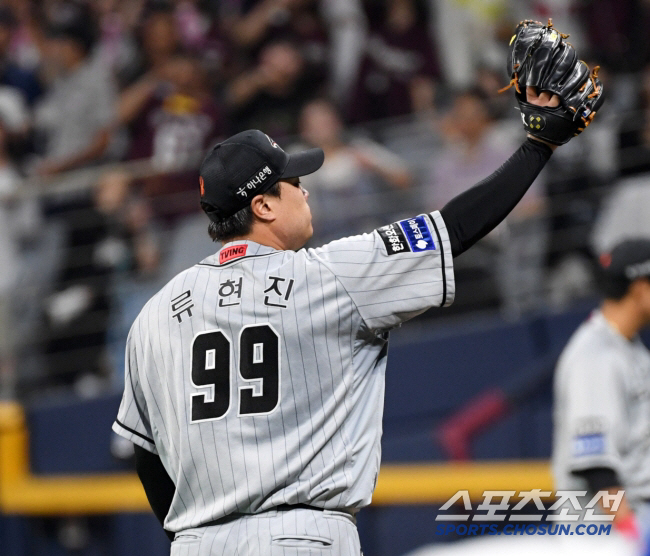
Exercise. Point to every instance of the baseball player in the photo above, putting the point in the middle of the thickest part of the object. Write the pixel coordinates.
(255, 379)
(602, 392)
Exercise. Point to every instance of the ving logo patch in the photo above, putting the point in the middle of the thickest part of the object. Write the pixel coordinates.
(418, 234)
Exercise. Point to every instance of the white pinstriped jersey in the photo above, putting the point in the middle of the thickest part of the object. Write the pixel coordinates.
(602, 408)
(257, 375)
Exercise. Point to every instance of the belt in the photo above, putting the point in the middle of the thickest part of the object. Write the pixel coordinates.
(281, 508)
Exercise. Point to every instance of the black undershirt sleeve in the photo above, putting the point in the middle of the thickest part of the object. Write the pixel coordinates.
(599, 478)
(474, 213)
(157, 484)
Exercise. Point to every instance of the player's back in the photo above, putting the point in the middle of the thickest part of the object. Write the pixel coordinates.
(222, 346)
(257, 375)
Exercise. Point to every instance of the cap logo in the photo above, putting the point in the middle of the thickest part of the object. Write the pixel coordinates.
(202, 185)
(253, 183)
(635, 271)
(273, 143)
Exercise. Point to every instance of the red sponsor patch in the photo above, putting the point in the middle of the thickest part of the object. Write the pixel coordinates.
(230, 253)
(202, 185)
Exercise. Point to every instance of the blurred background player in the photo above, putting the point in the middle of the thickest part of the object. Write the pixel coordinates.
(601, 394)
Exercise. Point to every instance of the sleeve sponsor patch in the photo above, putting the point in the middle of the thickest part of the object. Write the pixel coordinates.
(412, 235)
(588, 445)
(393, 238)
(418, 234)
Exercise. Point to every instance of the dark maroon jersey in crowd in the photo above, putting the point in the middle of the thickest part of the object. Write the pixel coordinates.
(173, 128)
(391, 61)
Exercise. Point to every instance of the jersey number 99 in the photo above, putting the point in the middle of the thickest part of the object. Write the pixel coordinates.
(259, 369)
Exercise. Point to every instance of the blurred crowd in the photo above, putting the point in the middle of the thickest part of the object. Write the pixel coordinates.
(125, 96)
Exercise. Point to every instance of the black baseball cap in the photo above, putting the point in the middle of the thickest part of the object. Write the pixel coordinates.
(629, 260)
(246, 165)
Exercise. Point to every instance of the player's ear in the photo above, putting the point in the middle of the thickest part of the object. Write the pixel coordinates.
(644, 286)
(262, 209)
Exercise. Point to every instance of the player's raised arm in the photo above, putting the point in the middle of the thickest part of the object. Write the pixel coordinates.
(474, 213)
(558, 97)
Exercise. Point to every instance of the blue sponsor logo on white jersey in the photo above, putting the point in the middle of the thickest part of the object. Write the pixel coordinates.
(588, 445)
(418, 234)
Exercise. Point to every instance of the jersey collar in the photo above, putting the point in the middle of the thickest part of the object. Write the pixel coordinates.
(600, 319)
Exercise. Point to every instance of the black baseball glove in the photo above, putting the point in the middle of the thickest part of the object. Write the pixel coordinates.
(540, 57)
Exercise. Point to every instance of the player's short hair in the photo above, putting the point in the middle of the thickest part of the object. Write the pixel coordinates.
(613, 288)
(616, 288)
(240, 223)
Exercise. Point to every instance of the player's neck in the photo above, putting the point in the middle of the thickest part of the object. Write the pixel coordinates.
(263, 238)
(624, 317)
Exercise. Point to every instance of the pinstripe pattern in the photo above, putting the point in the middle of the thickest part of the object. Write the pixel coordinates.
(321, 445)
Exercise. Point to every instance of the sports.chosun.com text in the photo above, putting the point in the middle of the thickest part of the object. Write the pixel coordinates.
(475, 529)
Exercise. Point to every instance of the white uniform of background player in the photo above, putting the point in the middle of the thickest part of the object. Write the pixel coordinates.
(602, 408)
(602, 392)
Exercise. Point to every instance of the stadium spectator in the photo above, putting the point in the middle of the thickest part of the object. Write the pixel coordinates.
(192, 24)
(107, 234)
(9, 262)
(26, 40)
(466, 34)
(207, 37)
(400, 66)
(71, 119)
(251, 22)
(15, 114)
(346, 192)
(254, 23)
(270, 95)
(11, 74)
(489, 81)
(116, 46)
(475, 147)
(157, 40)
(346, 23)
(172, 116)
